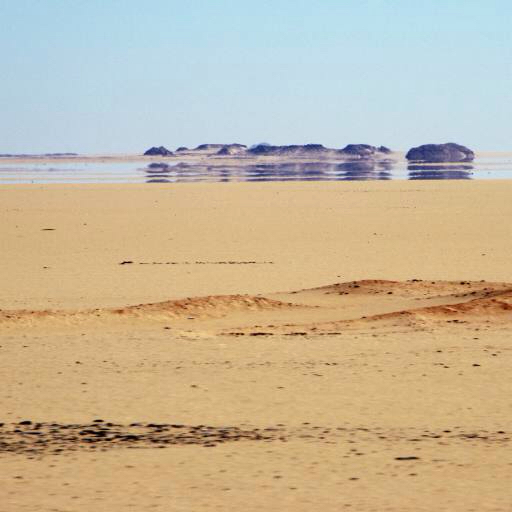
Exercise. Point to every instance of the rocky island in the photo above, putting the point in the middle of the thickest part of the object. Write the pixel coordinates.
(449, 152)
(294, 151)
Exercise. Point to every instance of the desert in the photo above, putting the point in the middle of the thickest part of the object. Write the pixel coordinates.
(259, 345)
(255, 256)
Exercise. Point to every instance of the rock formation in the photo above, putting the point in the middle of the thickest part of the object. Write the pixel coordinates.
(363, 150)
(232, 149)
(293, 150)
(449, 152)
(158, 151)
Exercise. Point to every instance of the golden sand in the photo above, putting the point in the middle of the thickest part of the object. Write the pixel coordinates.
(305, 346)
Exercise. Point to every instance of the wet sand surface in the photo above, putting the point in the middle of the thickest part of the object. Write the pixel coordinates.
(207, 167)
(266, 346)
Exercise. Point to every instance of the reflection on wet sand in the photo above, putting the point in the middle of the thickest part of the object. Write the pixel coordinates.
(365, 170)
(285, 171)
(440, 172)
(158, 173)
(240, 170)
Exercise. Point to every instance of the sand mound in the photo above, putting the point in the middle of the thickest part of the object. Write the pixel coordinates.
(414, 287)
(214, 306)
(330, 309)
(491, 307)
(454, 301)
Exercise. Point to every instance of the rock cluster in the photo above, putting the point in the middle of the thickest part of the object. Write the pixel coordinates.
(352, 151)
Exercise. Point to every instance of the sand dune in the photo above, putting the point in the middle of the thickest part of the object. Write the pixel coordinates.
(413, 302)
(325, 308)
(213, 305)
(200, 308)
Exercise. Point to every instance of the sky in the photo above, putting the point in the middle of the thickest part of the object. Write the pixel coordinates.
(116, 76)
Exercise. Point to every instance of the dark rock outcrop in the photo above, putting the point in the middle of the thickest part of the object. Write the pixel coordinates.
(158, 151)
(260, 144)
(449, 152)
(293, 150)
(232, 149)
(181, 148)
(263, 149)
(363, 150)
(219, 147)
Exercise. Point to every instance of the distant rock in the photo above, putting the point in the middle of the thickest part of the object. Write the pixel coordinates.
(293, 150)
(262, 149)
(363, 150)
(219, 147)
(182, 148)
(232, 149)
(260, 144)
(227, 151)
(161, 151)
(449, 152)
(61, 154)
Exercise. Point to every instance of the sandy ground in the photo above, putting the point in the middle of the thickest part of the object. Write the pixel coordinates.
(305, 346)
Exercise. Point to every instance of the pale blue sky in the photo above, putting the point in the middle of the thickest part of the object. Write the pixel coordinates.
(118, 76)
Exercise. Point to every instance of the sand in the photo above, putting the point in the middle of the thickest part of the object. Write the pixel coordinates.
(277, 346)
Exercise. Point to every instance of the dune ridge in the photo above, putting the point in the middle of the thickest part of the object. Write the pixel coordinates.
(204, 307)
(453, 302)
(326, 308)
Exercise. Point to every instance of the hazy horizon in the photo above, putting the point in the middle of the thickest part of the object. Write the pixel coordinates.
(118, 77)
